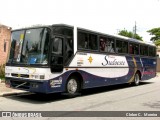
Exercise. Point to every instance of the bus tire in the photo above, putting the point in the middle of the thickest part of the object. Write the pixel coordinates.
(73, 86)
(136, 79)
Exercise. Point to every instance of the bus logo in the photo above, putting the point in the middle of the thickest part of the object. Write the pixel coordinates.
(112, 61)
(90, 59)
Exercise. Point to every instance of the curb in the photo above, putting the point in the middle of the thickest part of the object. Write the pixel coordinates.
(14, 94)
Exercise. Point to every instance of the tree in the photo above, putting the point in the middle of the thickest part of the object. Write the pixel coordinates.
(130, 34)
(156, 35)
(157, 42)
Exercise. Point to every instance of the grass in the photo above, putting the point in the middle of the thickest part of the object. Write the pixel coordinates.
(2, 72)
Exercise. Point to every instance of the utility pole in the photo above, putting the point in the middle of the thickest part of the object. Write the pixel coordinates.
(134, 30)
(135, 27)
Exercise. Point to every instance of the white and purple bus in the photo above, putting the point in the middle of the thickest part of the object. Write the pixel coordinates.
(63, 58)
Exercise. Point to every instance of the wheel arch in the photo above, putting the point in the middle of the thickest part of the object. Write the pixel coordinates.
(78, 76)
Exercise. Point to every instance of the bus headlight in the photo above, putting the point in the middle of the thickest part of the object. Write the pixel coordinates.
(34, 76)
(7, 74)
(42, 77)
(37, 76)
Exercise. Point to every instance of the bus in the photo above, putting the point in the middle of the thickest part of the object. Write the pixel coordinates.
(67, 59)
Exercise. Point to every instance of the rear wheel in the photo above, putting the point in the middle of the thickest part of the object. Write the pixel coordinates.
(72, 86)
(136, 79)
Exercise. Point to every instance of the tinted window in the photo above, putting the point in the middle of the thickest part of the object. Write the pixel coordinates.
(68, 49)
(124, 47)
(144, 50)
(152, 51)
(57, 46)
(118, 46)
(16, 45)
(106, 44)
(134, 48)
(62, 30)
(87, 41)
(93, 43)
(82, 40)
(121, 46)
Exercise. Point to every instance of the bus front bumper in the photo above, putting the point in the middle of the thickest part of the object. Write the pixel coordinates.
(36, 86)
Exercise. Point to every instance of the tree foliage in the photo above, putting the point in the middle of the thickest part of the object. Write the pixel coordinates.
(156, 35)
(2, 71)
(157, 42)
(130, 34)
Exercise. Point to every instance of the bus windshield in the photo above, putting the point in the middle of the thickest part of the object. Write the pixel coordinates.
(30, 46)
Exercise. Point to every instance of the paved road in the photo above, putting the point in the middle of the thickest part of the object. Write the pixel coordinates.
(145, 97)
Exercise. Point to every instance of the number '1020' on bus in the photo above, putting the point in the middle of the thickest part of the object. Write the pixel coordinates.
(63, 58)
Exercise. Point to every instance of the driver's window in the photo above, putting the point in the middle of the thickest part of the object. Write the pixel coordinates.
(57, 46)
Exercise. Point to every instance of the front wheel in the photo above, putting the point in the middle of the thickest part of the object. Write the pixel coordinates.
(136, 79)
(72, 86)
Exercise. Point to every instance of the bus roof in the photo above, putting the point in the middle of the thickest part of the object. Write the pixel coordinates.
(134, 40)
(39, 26)
(119, 37)
(115, 36)
(31, 27)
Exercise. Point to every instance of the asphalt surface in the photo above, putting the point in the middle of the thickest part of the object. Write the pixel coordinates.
(144, 97)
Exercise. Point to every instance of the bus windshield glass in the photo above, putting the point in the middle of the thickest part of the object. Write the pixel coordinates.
(29, 46)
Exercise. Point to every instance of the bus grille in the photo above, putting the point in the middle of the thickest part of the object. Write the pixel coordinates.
(19, 84)
(20, 75)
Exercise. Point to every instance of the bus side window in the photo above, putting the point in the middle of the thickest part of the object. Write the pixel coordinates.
(106, 44)
(146, 50)
(134, 49)
(87, 41)
(131, 49)
(93, 43)
(102, 44)
(118, 46)
(110, 45)
(152, 51)
(124, 47)
(57, 46)
(142, 50)
(68, 49)
(82, 40)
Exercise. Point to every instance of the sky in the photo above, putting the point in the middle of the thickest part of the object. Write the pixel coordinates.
(106, 16)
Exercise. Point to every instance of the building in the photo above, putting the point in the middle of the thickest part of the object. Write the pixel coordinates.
(158, 59)
(158, 51)
(5, 40)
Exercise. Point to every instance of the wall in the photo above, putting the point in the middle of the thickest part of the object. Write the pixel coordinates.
(5, 38)
(158, 64)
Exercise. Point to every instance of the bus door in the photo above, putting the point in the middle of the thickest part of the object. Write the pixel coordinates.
(57, 54)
